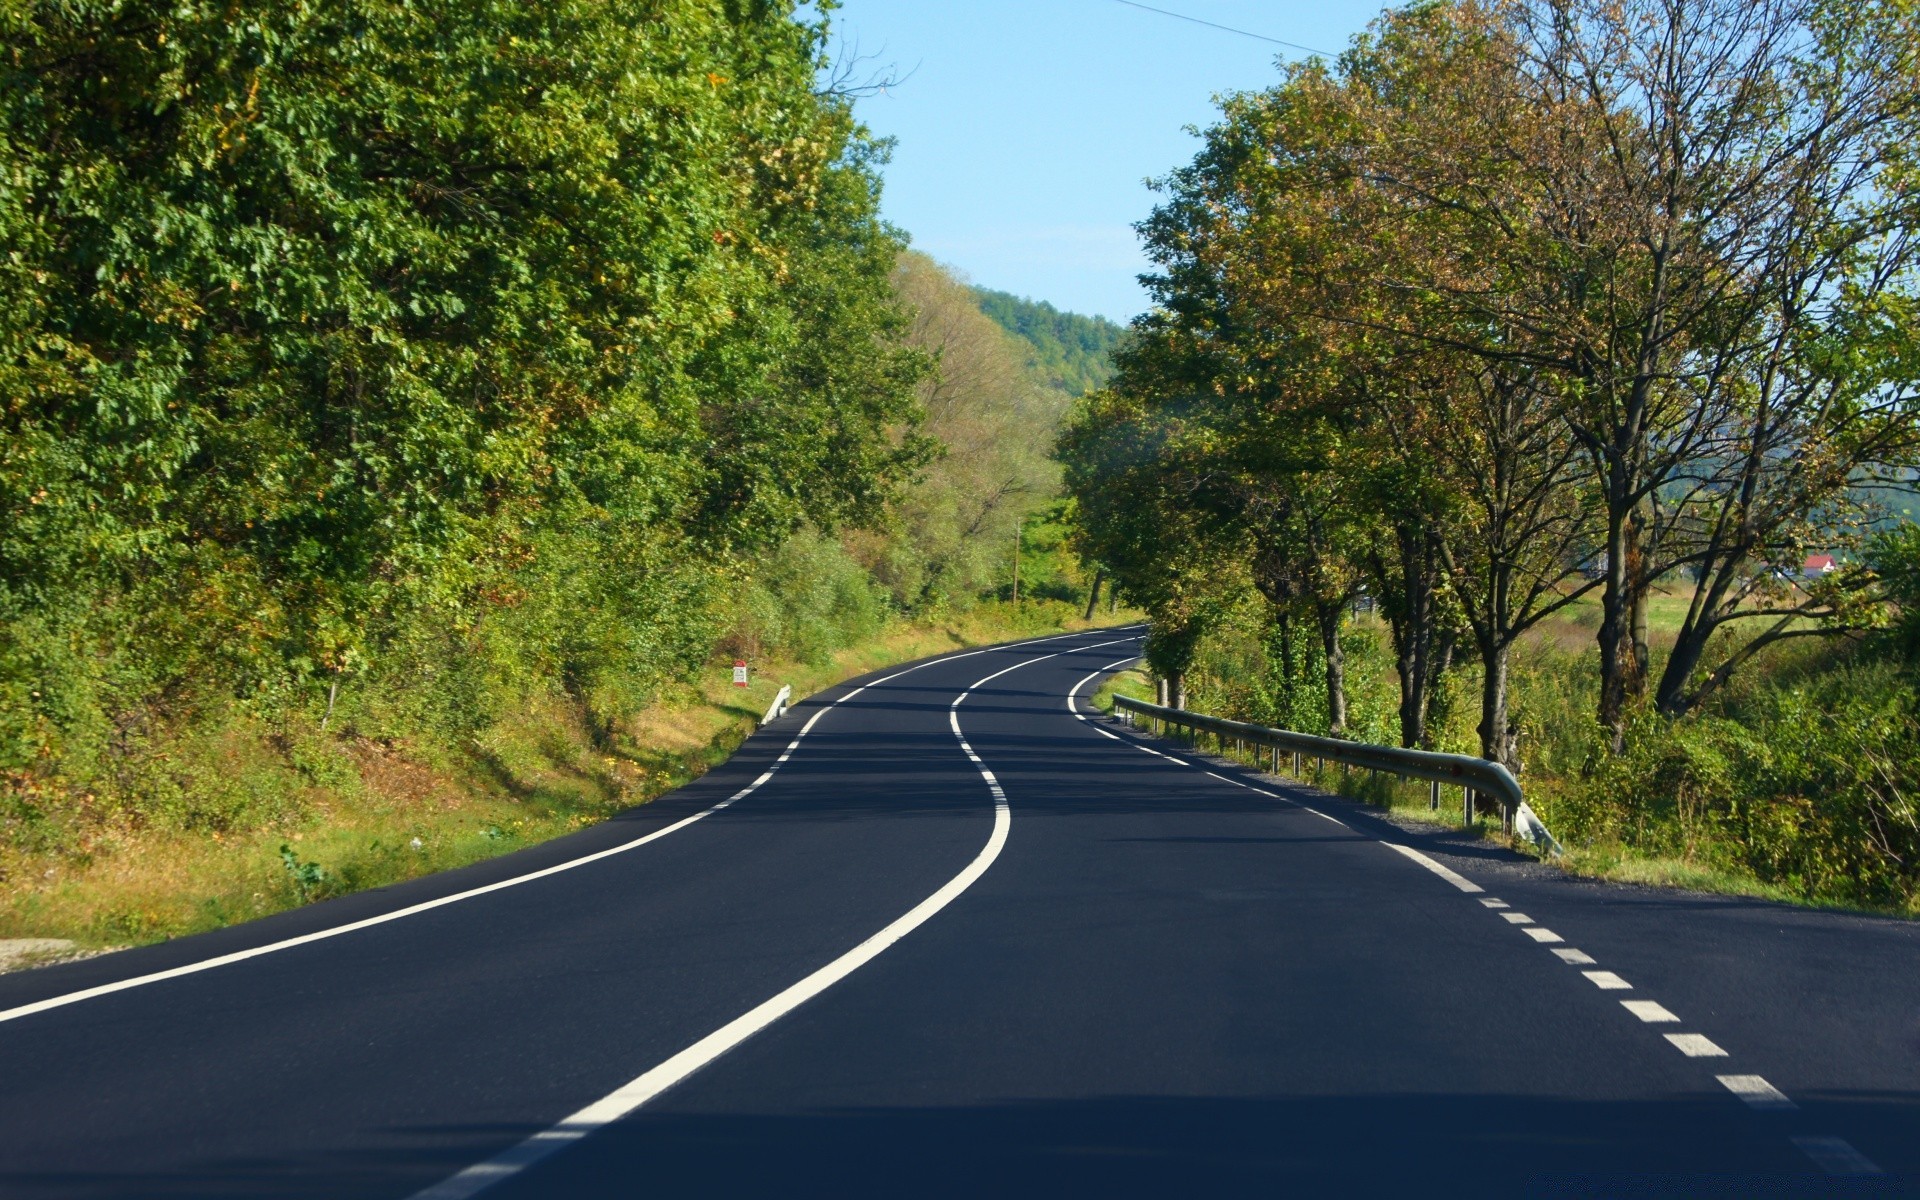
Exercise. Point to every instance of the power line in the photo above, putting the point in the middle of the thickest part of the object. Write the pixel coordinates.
(1228, 28)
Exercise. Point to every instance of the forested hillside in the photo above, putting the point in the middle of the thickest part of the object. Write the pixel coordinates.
(396, 393)
(1071, 352)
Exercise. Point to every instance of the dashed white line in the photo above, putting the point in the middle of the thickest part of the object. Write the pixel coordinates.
(1757, 1092)
(1650, 1011)
(1835, 1156)
(1695, 1045)
(1832, 1154)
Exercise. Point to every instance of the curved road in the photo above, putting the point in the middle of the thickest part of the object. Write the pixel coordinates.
(938, 933)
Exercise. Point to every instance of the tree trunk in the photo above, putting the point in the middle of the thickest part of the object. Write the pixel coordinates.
(1496, 727)
(1329, 616)
(1161, 693)
(1439, 662)
(1638, 585)
(1289, 711)
(1177, 690)
(1093, 597)
(1616, 617)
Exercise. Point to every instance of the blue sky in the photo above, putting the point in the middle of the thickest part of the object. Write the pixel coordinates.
(1028, 127)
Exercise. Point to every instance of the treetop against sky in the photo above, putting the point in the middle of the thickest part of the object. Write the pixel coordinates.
(1026, 131)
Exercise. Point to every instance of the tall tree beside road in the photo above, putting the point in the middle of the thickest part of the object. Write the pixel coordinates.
(329, 328)
(1687, 210)
(1565, 287)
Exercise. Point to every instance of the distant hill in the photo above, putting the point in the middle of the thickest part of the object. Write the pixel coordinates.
(1069, 351)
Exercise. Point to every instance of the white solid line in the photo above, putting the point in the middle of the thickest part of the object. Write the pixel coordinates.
(1516, 918)
(319, 935)
(626, 1099)
(1757, 1092)
(1074, 691)
(1494, 903)
(1650, 1011)
(1695, 1045)
(1579, 958)
(1835, 1156)
(1541, 935)
(1457, 880)
(1607, 981)
(637, 1092)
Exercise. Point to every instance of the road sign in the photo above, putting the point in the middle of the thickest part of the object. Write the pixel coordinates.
(739, 672)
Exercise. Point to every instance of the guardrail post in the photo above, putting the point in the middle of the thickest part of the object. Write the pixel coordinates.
(1433, 798)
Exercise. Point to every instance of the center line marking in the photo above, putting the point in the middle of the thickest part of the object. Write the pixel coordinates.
(318, 935)
(1541, 935)
(645, 1087)
(1579, 958)
(1607, 981)
(1517, 918)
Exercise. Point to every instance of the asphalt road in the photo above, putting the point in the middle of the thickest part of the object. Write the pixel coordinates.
(1085, 964)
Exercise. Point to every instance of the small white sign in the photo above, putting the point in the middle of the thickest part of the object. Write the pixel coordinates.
(739, 673)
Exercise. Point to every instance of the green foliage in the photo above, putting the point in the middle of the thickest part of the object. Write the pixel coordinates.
(1807, 783)
(1069, 352)
(808, 600)
(307, 878)
(953, 536)
(380, 365)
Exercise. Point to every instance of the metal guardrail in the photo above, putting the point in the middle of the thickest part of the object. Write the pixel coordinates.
(1472, 774)
(778, 708)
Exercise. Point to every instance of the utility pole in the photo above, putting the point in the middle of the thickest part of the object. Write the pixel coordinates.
(1017, 530)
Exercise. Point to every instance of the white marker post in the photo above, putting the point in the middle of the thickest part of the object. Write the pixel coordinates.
(739, 672)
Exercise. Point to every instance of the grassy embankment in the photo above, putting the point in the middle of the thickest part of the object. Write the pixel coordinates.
(1791, 785)
(377, 812)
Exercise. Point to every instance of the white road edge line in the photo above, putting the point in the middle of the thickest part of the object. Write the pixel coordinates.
(638, 1091)
(318, 935)
(1757, 1092)
(1651, 1011)
(1695, 1045)
(1835, 1156)
(1446, 873)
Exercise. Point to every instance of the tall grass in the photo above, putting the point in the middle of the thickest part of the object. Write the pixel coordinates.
(1797, 781)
